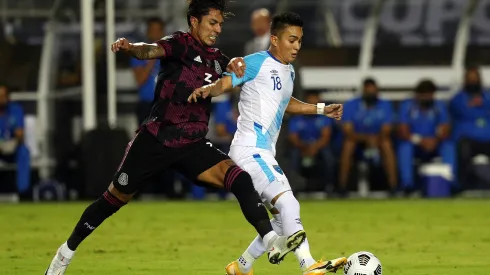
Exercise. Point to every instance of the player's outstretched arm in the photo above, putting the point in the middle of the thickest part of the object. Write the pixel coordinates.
(296, 107)
(138, 50)
(216, 88)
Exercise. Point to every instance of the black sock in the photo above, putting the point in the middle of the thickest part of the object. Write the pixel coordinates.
(92, 217)
(240, 184)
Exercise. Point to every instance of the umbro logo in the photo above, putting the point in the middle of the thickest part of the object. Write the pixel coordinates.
(198, 59)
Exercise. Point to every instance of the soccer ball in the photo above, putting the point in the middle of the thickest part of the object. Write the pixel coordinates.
(362, 263)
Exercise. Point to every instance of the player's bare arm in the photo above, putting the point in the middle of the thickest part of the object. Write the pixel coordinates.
(297, 107)
(139, 50)
(214, 89)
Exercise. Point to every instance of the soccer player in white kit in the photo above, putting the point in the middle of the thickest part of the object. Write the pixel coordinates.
(265, 96)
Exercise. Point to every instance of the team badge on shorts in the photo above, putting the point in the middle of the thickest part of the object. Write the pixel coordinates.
(123, 179)
(278, 169)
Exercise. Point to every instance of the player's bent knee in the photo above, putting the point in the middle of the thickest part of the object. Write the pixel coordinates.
(287, 202)
(216, 175)
(119, 194)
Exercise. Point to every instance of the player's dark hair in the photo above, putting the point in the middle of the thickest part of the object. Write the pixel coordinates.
(283, 20)
(369, 81)
(425, 86)
(200, 8)
(155, 19)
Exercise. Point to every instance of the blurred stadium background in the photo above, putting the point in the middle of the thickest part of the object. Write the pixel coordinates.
(55, 62)
(80, 106)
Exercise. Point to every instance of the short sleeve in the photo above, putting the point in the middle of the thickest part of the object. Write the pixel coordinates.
(174, 45)
(349, 111)
(253, 63)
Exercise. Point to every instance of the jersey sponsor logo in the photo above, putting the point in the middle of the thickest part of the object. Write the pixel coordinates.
(123, 179)
(198, 59)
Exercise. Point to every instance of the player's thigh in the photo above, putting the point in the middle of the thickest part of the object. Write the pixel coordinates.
(204, 164)
(268, 178)
(144, 158)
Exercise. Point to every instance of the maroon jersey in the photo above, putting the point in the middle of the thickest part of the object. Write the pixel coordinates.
(187, 65)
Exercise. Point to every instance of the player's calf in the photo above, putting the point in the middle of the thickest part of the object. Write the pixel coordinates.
(91, 218)
(240, 184)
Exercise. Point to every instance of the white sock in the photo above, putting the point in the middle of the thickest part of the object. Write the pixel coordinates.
(257, 248)
(66, 252)
(288, 207)
(269, 239)
(246, 261)
(304, 256)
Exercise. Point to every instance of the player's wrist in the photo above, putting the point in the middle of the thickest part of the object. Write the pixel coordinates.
(320, 108)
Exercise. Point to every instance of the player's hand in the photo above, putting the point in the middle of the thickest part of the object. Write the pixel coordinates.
(198, 93)
(237, 66)
(334, 111)
(120, 44)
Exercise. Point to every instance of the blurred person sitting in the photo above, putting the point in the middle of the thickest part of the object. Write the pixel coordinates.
(367, 123)
(260, 23)
(424, 132)
(12, 147)
(146, 71)
(470, 111)
(310, 137)
(225, 115)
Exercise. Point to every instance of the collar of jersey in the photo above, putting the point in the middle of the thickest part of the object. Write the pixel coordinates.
(273, 57)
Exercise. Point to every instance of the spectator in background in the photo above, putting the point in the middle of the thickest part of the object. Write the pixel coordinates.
(260, 23)
(12, 148)
(423, 132)
(226, 115)
(470, 111)
(367, 122)
(146, 71)
(310, 137)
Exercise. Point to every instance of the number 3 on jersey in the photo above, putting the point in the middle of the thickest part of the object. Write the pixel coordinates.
(207, 78)
(277, 82)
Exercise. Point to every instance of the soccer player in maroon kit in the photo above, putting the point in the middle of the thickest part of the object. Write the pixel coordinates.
(173, 135)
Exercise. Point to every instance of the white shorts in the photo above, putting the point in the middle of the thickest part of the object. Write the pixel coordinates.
(268, 178)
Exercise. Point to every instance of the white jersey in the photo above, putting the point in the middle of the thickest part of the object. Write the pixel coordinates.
(265, 94)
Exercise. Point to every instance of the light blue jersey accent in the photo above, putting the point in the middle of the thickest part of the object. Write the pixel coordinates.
(267, 171)
(253, 63)
(264, 140)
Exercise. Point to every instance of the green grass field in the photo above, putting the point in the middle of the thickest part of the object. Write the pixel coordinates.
(411, 237)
